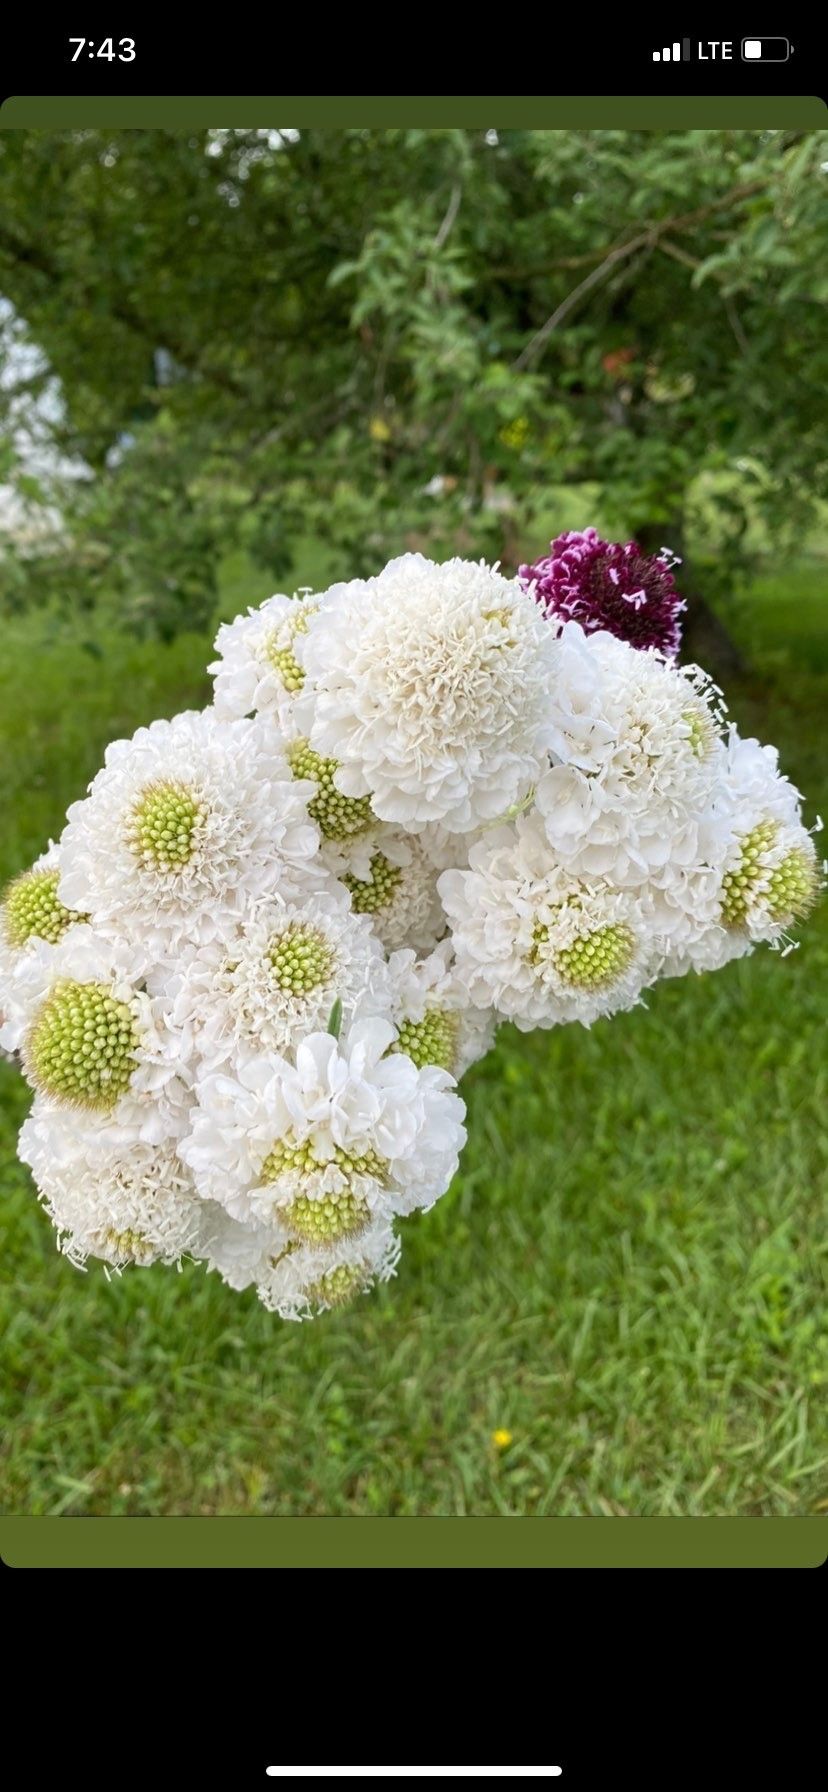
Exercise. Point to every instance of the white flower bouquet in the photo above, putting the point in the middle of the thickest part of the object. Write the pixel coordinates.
(275, 933)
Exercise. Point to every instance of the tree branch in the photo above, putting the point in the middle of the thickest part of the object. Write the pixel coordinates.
(538, 342)
(687, 261)
(649, 239)
(449, 220)
(736, 325)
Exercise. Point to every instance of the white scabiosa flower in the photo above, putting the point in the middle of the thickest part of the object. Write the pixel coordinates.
(754, 875)
(124, 1203)
(537, 943)
(347, 1133)
(392, 881)
(32, 919)
(771, 876)
(95, 1041)
(757, 872)
(431, 1011)
(187, 822)
(258, 670)
(275, 976)
(637, 753)
(428, 686)
(772, 880)
(303, 1281)
(297, 1281)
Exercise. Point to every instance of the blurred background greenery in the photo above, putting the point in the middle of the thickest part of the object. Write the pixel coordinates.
(241, 361)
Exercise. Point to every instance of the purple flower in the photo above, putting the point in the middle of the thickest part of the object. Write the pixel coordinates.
(604, 585)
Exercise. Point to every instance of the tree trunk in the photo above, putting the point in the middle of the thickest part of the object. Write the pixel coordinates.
(706, 639)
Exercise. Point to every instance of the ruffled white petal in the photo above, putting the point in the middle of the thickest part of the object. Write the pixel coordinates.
(121, 1201)
(245, 832)
(258, 670)
(344, 1117)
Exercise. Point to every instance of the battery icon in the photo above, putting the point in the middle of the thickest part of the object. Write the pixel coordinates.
(765, 49)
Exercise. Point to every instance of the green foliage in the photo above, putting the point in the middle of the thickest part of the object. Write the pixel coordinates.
(373, 339)
(629, 1274)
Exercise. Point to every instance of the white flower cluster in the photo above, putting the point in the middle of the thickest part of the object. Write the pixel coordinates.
(276, 932)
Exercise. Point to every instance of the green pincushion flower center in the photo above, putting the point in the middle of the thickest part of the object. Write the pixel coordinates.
(597, 959)
(369, 896)
(325, 1217)
(432, 1040)
(338, 817)
(739, 884)
(277, 648)
(301, 959)
(792, 887)
(166, 826)
(128, 1246)
(286, 1156)
(32, 909)
(82, 1045)
(338, 1286)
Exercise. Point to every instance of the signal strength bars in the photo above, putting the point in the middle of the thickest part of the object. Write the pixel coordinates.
(680, 52)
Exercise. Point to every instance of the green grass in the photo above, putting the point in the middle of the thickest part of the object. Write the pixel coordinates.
(785, 629)
(628, 1274)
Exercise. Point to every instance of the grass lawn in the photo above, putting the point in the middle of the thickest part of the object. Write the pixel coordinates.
(628, 1274)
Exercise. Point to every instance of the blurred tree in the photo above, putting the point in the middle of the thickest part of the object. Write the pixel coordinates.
(374, 339)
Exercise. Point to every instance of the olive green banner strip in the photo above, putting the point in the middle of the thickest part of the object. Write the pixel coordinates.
(413, 1542)
(648, 112)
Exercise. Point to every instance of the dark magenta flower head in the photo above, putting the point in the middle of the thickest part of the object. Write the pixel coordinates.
(604, 585)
